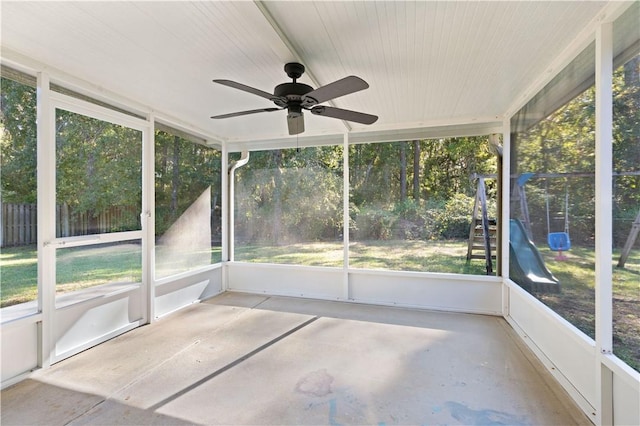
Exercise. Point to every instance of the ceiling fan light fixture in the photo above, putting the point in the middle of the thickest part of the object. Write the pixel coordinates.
(295, 110)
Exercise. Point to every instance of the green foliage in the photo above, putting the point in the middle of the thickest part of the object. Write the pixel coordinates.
(419, 220)
(564, 142)
(448, 165)
(98, 166)
(183, 172)
(455, 219)
(441, 167)
(375, 224)
(18, 141)
(413, 220)
(285, 196)
(626, 124)
(387, 204)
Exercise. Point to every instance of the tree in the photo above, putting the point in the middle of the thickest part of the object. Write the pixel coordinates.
(18, 142)
(98, 167)
(403, 171)
(416, 170)
(448, 164)
(285, 196)
(184, 170)
(175, 177)
(564, 142)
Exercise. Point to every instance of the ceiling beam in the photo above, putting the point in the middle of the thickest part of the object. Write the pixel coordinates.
(285, 39)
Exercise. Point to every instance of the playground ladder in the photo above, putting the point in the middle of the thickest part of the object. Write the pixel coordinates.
(631, 239)
(476, 239)
(482, 233)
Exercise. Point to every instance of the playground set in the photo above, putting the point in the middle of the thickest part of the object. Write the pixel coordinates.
(526, 265)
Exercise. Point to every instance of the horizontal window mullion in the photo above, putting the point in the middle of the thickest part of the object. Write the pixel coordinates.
(85, 240)
(78, 106)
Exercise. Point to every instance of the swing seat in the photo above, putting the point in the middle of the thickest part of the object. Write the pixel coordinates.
(559, 241)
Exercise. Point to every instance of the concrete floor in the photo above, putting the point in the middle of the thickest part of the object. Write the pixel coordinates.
(259, 360)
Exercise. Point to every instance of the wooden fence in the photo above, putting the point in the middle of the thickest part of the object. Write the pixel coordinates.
(19, 222)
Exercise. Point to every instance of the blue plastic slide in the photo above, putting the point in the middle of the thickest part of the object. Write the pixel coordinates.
(526, 265)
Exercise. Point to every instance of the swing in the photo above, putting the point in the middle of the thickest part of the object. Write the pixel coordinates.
(559, 241)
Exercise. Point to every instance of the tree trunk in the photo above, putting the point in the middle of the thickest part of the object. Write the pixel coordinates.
(632, 72)
(175, 181)
(165, 155)
(416, 170)
(277, 207)
(403, 171)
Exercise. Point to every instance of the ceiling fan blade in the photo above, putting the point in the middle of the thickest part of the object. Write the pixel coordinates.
(253, 111)
(246, 88)
(344, 114)
(295, 123)
(336, 89)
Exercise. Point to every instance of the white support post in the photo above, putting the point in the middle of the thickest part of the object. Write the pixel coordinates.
(225, 214)
(506, 210)
(345, 214)
(46, 178)
(147, 220)
(603, 220)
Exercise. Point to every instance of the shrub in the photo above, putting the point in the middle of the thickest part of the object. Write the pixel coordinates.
(454, 220)
(375, 224)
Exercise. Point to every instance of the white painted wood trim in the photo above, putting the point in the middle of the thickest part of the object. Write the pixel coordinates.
(96, 341)
(46, 165)
(87, 240)
(187, 274)
(79, 106)
(148, 222)
(506, 210)
(226, 208)
(603, 220)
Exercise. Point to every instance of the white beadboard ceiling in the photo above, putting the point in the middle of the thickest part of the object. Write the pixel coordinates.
(428, 63)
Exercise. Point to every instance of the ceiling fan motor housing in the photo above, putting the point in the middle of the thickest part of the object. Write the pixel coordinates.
(289, 95)
(296, 97)
(291, 90)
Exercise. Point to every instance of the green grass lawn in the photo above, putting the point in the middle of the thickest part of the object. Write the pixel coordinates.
(440, 256)
(76, 268)
(308, 254)
(576, 301)
(18, 275)
(82, 267)
(79, 268)
(425, 256)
